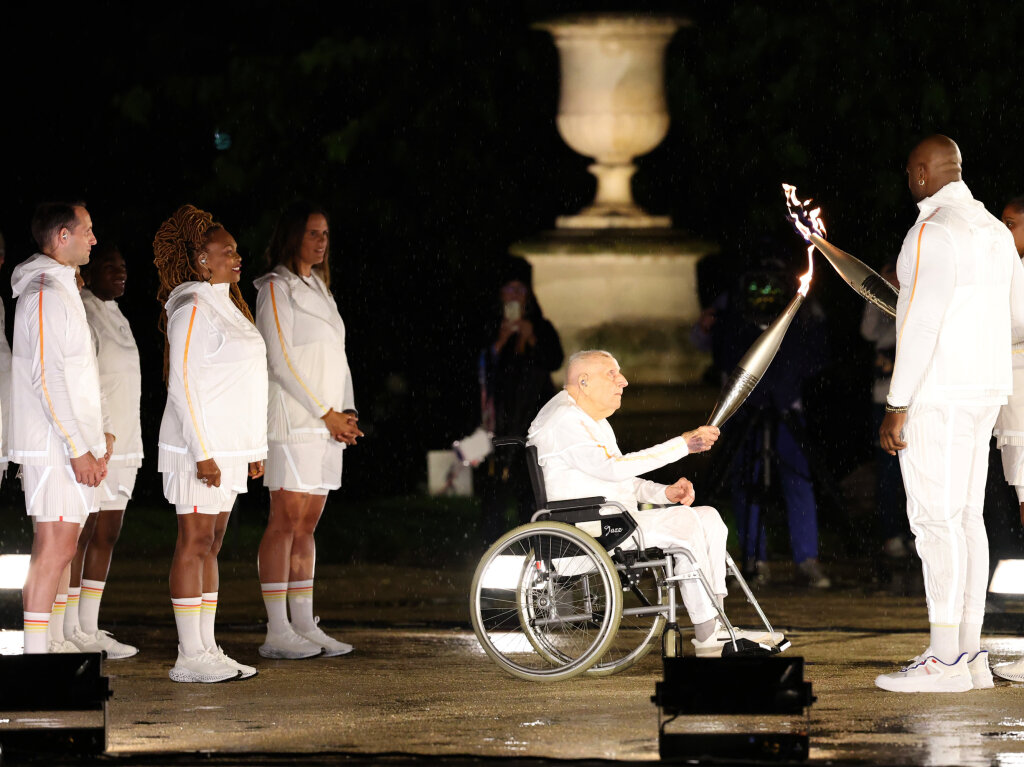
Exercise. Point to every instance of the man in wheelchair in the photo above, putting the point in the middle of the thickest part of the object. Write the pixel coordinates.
(579, 458)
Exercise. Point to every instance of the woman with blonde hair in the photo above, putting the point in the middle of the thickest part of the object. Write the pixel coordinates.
(311, 419)
(211, 435)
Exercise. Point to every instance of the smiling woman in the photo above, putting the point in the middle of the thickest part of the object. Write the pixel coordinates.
(213, 432)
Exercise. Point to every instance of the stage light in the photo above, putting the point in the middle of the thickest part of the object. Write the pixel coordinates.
(13, 570)
(1008, 577)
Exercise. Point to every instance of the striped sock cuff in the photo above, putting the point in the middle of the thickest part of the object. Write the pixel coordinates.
(186, 606)
(36, 622)
(300, 589)
(274, 592)
(73, 594)
(209, 602)
(59, 604)
(92, 589)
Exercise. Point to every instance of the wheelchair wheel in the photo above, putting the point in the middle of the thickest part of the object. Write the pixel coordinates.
(545, 601)
(637, 634)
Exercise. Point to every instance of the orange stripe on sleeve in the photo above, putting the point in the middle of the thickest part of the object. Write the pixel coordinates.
(917, 268)
(284, 350)
(184, 375)
(42, 373)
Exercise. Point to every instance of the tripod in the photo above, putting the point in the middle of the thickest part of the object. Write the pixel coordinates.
(768, 448)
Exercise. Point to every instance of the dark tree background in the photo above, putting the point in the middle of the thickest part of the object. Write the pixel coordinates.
(428, 130)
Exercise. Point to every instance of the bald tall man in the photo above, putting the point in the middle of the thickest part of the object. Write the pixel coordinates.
(960, 306)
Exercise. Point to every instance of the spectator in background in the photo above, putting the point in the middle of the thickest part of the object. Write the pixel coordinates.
(879, 328)
(515, 381)
(770, 424)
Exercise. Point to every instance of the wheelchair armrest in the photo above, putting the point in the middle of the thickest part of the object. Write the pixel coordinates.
(576, 503)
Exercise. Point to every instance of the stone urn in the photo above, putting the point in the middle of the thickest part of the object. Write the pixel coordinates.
(612, 106)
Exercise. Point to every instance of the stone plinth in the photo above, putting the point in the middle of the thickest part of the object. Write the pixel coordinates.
(632, 292)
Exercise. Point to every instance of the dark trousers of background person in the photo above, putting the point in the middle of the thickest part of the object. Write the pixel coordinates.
(502, 484)
(890, 497)
(791, 473)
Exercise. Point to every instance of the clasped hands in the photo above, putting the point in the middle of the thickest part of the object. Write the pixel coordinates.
(90, 470)
(344, 427)
(208, 472)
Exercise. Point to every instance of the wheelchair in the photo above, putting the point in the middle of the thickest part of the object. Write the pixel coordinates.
(559, 596)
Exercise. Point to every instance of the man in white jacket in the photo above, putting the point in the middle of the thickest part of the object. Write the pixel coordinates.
(57, 432)
(961, 304)
(579, 457)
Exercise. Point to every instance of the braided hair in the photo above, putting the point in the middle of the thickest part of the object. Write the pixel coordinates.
(175, 246)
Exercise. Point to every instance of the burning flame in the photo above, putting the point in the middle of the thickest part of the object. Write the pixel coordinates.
(806, 222)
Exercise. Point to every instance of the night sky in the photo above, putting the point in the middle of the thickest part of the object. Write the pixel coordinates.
(427, 129)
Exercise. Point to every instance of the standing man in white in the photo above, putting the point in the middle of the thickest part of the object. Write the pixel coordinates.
(121, 386)
(57, 430)
(311, 419)
(960, 306)
(5, 378)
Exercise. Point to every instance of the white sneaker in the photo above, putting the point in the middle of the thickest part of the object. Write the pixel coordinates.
(930, 675)
(102, 641)
(1013, 671)
(288, 645)
(713, 645)
(203, 667)
(244, 672)
(331, 646)
(981, 674)
(61, 646)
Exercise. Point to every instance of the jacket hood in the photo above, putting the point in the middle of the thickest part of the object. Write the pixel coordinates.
(184, 293)
(956, 195)
(30, 269)
(280, 272)
(551, 413)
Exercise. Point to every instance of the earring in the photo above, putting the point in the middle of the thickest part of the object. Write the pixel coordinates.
(202, 260)
(920, 181)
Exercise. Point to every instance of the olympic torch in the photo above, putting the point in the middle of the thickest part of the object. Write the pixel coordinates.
(854, 272)
(746, 375)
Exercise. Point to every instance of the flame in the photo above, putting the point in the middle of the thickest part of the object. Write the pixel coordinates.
(806, 222)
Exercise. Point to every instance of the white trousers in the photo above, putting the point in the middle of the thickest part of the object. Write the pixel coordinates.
(701, 530)
(945, 465)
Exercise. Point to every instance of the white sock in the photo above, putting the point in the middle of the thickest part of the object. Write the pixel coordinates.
(970, 639)
(36, 641)
(275, 599)
(945, 642)
(207, 617)
(300, 604)
(186, 618)
(71, 611)
(89, 606)
(55, 629)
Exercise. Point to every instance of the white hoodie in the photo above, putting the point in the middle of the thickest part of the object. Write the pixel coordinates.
(120, 376)
(305, 338)
(217, 382)
(580, 458)
(55, 388)
(961, 304)
(5, 387)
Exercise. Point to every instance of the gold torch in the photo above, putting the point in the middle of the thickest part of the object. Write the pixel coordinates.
(855, 272)
(746, 375)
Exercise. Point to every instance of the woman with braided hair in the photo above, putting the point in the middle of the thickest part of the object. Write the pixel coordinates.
(214, 430)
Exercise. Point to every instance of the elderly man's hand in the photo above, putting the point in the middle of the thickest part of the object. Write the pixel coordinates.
(701, 438)
(680, 492)
(89, 470)
(890, 434)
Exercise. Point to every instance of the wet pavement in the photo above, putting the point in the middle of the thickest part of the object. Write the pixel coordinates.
(419, 684)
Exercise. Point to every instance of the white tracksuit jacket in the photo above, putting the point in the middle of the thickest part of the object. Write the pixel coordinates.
(120, 376)
(580, 458)
(217, 382)
(305, 339)
(55, 389)
(5, 389)
(961, 304)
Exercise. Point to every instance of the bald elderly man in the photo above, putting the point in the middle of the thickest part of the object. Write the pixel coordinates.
(960, 306)
(579, 457)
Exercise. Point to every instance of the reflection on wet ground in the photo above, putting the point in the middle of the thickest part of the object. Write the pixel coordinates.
(419, 684)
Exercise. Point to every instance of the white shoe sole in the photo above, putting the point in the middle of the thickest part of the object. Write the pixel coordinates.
(269, 651)
(899, 685)
(335, 653)
(184, 675)
(1009, 676)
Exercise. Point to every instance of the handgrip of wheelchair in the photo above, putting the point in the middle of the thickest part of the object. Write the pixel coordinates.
(505, 441)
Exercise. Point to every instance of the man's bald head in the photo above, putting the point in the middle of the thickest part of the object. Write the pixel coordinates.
(932, 164)
(580, 364)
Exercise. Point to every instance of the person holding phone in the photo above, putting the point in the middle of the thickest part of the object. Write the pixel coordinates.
(515, 381)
